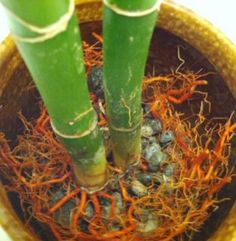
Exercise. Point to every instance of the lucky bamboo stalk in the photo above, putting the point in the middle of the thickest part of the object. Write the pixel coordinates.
(47, 35)
(127, 30)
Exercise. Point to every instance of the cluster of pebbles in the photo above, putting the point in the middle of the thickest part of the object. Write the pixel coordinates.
(155, 141)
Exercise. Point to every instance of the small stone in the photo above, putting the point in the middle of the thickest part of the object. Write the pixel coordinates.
(57, 196)
(151, 149)
(138, 188)
(115, 227)
(119, 203)
(95, 81)
(170, 170)
(89, 211)
(155, 124)
(144, 178)
(145, 143)
(153, 139)
(151, 127)
(106, 207)
(146, 110)
(166, 137)
(146, 131)
(83, 225)
(154, 156)
(148, 226)
(63, 214)
(157, 178)
(104, 201)
(106, 212)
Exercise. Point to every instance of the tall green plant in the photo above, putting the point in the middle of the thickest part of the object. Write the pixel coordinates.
(47, 36)
(127, 29)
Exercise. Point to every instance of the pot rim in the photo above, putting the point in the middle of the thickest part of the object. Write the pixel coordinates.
(179, 20)
(173, 17)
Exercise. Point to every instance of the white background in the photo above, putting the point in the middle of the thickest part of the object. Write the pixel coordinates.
(221, 12)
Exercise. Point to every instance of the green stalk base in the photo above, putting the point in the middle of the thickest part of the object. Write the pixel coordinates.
(126, 148)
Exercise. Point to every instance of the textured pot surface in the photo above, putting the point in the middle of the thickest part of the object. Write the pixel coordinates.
(16, 90)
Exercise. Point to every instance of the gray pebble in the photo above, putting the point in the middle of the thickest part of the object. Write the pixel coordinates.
(146, 110)
(153, 139)
(154, 156)
(170, 170)
(63, 214)
(155, 125)
(145, 143)
(89, 211)
(115, 227)
(106, 211)
(95, 81)
(57, 196)
(166, 137)
(148, 226)
(119, 203)
(151, 149)
(151, 127)
(138, 188)
(144, 178)
(146, 131)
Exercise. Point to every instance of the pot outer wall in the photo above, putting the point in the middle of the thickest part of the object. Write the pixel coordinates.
(175, 19)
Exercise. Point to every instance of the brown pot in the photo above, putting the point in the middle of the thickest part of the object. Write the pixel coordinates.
(195, 36)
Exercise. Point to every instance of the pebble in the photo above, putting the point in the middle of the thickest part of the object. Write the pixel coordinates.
(138, 188)
(170, 170)
(166, 137)
(83, 225)
(151, 149)
(144, 178)
(146, 110)
(146, 131)
(106, 212)
(154, 156)
(151, 127)
(115, 227)
(157, 178)
(62, 215)
(148, 226)
(95, 81)
(119, 203)
(57, 196)
(89, 211)
(104, 201)
(155, 124)
(145, 143)
(106, 207)
(152, 139)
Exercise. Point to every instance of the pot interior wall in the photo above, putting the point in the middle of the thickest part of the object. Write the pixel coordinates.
(20, 95)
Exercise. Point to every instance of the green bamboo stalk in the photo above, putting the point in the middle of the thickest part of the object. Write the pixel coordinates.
(55, 59)
(127, 30)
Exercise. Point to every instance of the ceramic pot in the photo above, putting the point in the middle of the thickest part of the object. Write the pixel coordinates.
(203, 47)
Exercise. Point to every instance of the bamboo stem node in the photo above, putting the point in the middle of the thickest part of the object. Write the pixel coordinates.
(133, 14)
(92, 190)
(76, 135)
(46, 32)
(122, 129)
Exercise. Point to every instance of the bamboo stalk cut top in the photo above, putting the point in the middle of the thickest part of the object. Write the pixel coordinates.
(135, 5)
